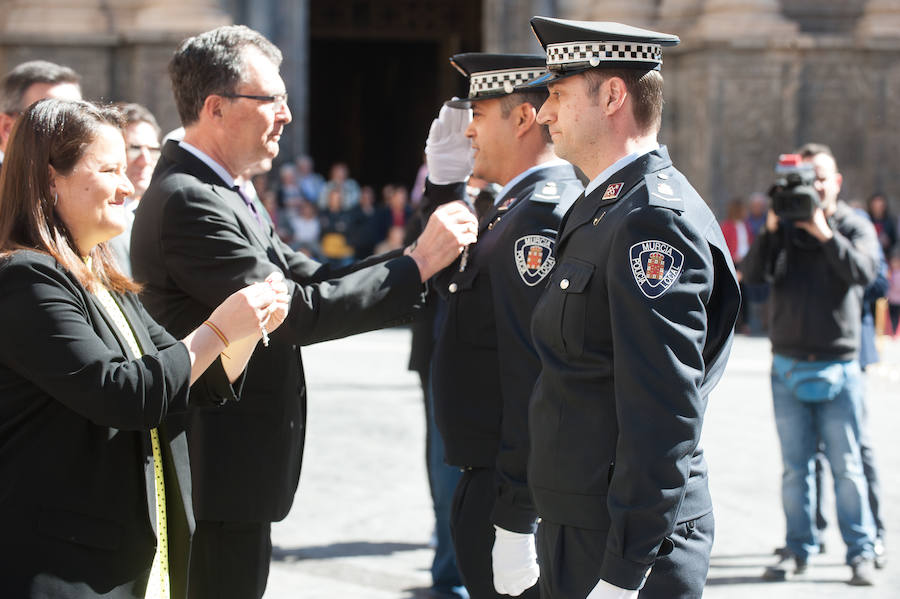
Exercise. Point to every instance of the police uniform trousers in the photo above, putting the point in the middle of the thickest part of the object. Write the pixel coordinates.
(222, 556)
(473, 533)
(570, 561)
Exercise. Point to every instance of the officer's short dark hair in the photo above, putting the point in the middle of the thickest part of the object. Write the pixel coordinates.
(137, 113)
(645, 87)
(536, 97)
(213, 63)
(814, 149)
(18, 80)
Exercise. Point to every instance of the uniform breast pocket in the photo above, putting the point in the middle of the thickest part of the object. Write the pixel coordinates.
(572, 280)
(472, 309)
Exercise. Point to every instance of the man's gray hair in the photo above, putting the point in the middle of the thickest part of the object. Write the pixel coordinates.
(213, 63)
(18, 80)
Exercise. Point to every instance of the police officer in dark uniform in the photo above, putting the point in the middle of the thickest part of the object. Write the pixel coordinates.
(633, 331)
(484, 363)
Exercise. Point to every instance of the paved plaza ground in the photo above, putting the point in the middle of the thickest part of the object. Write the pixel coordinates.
(362, 517)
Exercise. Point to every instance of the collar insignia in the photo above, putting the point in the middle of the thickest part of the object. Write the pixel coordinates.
(612, 191)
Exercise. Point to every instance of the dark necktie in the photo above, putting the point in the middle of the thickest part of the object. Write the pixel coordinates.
(250, 205)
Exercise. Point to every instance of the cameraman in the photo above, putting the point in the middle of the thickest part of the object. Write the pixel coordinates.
(818, 268)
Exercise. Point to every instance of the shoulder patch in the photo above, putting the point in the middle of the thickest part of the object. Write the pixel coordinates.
(664, 191)
(655, 265)
(534, 258)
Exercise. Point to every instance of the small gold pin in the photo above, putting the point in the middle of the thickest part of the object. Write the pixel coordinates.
(599, 218)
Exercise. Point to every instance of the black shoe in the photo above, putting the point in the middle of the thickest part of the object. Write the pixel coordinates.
(863, 572)
(880, 553)
(788, 565)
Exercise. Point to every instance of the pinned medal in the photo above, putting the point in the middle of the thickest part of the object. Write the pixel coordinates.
(534, 258)
(656, 265)
(612, 191)
(665, 188)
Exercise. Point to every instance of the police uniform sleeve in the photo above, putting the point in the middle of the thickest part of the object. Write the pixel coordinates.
(515, 294)
(658, 334)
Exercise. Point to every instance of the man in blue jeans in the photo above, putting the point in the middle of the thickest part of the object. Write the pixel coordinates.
(818, 266)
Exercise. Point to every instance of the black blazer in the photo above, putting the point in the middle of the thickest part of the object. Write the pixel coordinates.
(77, 499)
(193, 243)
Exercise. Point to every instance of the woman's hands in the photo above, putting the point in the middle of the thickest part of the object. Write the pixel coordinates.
(233, 330)
(247, 311)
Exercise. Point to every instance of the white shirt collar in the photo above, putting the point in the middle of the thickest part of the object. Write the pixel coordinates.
(614, 168)
(512, 183)
(215, 166)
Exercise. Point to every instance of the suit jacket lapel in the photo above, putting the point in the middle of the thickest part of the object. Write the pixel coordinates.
(99, 314)
(173, 153)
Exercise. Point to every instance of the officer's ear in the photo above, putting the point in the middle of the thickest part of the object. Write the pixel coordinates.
(613, 94)
(525, 116)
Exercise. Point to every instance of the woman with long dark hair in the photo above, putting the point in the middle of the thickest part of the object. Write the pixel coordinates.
(94, 489)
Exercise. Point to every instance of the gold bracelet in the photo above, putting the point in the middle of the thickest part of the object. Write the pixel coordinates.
(219, 334)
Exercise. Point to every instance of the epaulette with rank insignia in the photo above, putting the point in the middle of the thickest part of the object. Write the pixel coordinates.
(548, 192)
(664, 191)
(553, 192)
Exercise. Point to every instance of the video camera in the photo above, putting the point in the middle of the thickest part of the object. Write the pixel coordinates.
(793, 196)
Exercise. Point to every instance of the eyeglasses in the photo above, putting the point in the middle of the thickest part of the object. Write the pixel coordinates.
(279, 100)
(134, 151)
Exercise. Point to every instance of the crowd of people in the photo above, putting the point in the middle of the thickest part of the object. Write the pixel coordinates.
(334, 220)
(583, 288)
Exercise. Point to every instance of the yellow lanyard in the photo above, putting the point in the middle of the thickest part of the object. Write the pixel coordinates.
(158, 583)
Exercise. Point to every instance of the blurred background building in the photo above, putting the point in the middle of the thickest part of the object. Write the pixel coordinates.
(751, 79)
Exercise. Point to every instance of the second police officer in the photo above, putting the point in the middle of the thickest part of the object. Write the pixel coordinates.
(633, 331)
(484, 363)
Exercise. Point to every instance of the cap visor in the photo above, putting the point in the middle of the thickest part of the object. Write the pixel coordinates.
(550, 77)
(459, 103)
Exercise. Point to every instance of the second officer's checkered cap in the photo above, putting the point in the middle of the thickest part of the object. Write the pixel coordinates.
(495, 75)
(576, 46)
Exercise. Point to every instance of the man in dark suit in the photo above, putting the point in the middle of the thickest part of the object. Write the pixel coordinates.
(633, 331)
(196, 239)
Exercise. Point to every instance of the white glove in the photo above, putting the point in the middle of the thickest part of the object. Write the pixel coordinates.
(514, 562)
(604, 590)
(448, 152)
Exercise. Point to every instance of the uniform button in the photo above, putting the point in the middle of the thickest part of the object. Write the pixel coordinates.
(453, 287)
(564, 284)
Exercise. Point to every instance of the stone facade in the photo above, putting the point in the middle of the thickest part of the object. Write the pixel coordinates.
(751, 79)
(756, 78)
(121, 48)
